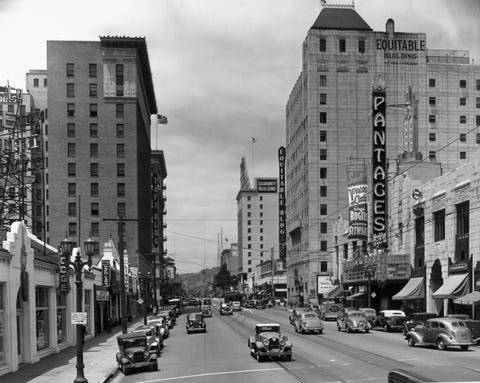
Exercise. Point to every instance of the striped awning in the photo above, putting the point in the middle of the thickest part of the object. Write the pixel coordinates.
(334, 291)
(470, 299)
(414, 289)
(356, 296)
(455, 286)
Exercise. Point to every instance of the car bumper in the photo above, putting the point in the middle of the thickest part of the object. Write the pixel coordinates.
(274, 353)
(196, 329)
(312, 329)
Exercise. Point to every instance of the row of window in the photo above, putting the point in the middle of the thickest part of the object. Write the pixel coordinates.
(463, 137)
(432, 118)
(432, 83)
(92, 90)
(249, 198)
(94, 209)
(71, 130)
(94, 189)
(119, 112)
(36, 82)
(72, 149)
(249, 214)
(432, 155)
(94, 169)
(249, 206)
(462, 101)
(342, 45)
(92, 73)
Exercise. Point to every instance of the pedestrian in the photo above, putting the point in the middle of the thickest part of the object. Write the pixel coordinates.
(109, 324)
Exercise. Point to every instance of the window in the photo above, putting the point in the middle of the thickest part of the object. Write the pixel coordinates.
(249, 222)
(361, 46)
(439, 222)
(463, 119)
(35, 83)
(121, 190)
(323, 117)
(120, 150)
(323, 191)
(93, 150)
(323, 173)
(70, 149)
(119, 110)
(119, 79)
(322, 45)
(341, 45)
(323, 266)
(72, 209)
(261, 214)
(477, 84)
(432, 118)
(432, 156)
(94, 209)
(323, 245)
(44, 82)
(95, 229)
(42, 305)
(261, 206)
(323, 209)
(463, 137)
(477, 102)
(120, 130)
(323, 98)
(70, 69)
(463, 83)
(323, 154)
(432, 100)
(249, 238)
(322, 80)
(431, 82)
(72, 189)
(92, 70)
(463, 218)
(94, 130)
(463, 155)
(70, 90)
(120, 170)
(71, 169)
(92, 90)
(249, 205)
(94, 170)
(71, 130)
(432, 137)
(463, 101)
(94, 189)
(323, 136)
(70, 109)
(249, 214)
(121, 209)
(477, 138)
(93, 110)
(72, 229)
(323, 227)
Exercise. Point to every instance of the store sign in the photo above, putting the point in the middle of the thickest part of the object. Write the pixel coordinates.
(102, 295)
(282, 209)
(357, 202)
(106, 273)
(379, 165)
(64, 285)
(324, 284)
(266, 185)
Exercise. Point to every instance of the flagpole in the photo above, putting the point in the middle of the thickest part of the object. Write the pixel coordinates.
(253, 161)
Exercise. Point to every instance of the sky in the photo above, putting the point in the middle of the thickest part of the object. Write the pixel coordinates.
(222, 73)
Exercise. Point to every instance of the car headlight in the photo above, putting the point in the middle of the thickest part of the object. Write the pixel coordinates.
(130, 355)
(282, 341)
(265, 342)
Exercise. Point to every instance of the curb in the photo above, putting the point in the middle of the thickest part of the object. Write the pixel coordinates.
(111, 375)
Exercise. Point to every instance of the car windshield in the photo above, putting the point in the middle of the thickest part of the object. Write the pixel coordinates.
(134, 342)
(309, 316)
(356, 314)
(268, 329)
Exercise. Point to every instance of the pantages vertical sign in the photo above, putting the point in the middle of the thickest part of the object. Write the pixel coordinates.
(282, 217)
(379, 164)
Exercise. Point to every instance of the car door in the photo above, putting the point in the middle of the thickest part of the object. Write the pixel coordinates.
(429, 331)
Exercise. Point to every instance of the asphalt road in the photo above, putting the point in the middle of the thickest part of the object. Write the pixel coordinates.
(221, 355)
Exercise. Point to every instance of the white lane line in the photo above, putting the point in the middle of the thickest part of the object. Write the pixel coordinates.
(212, 374)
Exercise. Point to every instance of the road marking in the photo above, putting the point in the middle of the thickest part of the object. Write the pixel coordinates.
(211, 374)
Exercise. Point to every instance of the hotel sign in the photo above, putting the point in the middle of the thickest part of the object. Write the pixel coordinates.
(64, 285)
(266, 185)
(401, 51)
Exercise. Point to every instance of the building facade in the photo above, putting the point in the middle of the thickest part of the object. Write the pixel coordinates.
(329, 126)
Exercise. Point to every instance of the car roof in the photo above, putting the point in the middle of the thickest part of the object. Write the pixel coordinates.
(355, 312)
(267, 324)
(393, 312)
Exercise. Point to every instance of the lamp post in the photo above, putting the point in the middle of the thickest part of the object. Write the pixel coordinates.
(66, 247)
(370, 267)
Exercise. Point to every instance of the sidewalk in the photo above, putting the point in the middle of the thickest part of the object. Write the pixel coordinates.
(98, 356)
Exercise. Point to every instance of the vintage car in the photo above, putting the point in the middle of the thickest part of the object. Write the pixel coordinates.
(390, 320)
(307, 322)
(195, 323)
(170, 317)
(161, 323)
(417, 319)
(153, 334)
(436, 373)
(330, 310)
(236, 306)
(353, 321)
(315, 309)
(260, 304)
(369, 313)
(226, 309)
(472, 324)
(296, 312)
(442, 332)
(268, 342)
(249, 304)
(206, 311)
(134, 351)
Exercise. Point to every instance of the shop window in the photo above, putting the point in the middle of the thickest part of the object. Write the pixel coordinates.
(61, 317)
(42, 311)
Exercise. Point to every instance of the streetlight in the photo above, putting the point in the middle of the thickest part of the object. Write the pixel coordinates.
(66, 247)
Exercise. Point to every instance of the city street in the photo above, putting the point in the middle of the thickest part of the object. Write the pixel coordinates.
(221, 355)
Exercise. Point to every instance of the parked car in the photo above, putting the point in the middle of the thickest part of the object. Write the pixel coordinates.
(330, 310)
(268, 342)
(307, 322)
(249, 304)
(353, 321)
(472, 324)
(169, 316)
(369, 313)
(442, 373)
(226, 309)
(134, 352)
(296, 312)
(442, 332)
(236, 306)
(195, 323)
(153, 335)
(390, 320)
(416, 319)
(260, 305)
(161, 323)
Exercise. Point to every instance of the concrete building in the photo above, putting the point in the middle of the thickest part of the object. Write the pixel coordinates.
(329, 126)
(100, 98)
(229, 257)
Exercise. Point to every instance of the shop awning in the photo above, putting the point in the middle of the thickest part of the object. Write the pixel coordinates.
(355, 296)
(280, 290)
(454, 286)
(469, 299)
(414, 289)
(334, 291)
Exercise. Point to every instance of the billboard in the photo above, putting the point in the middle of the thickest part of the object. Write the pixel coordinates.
(357, 202)
(266, 185)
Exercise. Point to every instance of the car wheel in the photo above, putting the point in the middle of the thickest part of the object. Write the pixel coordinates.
(441, 344)
(125, 371)
(464, 348)
(288, 358)
(259, 358)
(188, 331)
(320, 331)
(155, 367)
(411, 341)
(338, 327)
(385, 328)
(367, 331)
(348, 329)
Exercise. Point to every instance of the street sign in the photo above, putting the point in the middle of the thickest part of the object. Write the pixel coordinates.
(79, 318)
(373, 295)
(140, 301)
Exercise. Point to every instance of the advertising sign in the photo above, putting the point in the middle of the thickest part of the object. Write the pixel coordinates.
(79, 318)
(282, 209)
(64, 285)
(379, 165)
(357, 201)
(266, 185)
(324, 284)
(106, 273)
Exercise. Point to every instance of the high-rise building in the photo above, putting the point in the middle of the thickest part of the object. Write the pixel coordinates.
(100, 99)
(329, 124)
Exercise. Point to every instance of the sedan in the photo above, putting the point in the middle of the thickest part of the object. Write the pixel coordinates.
(353, 321)
(195, 323)
(441, 332)
(308, 322)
